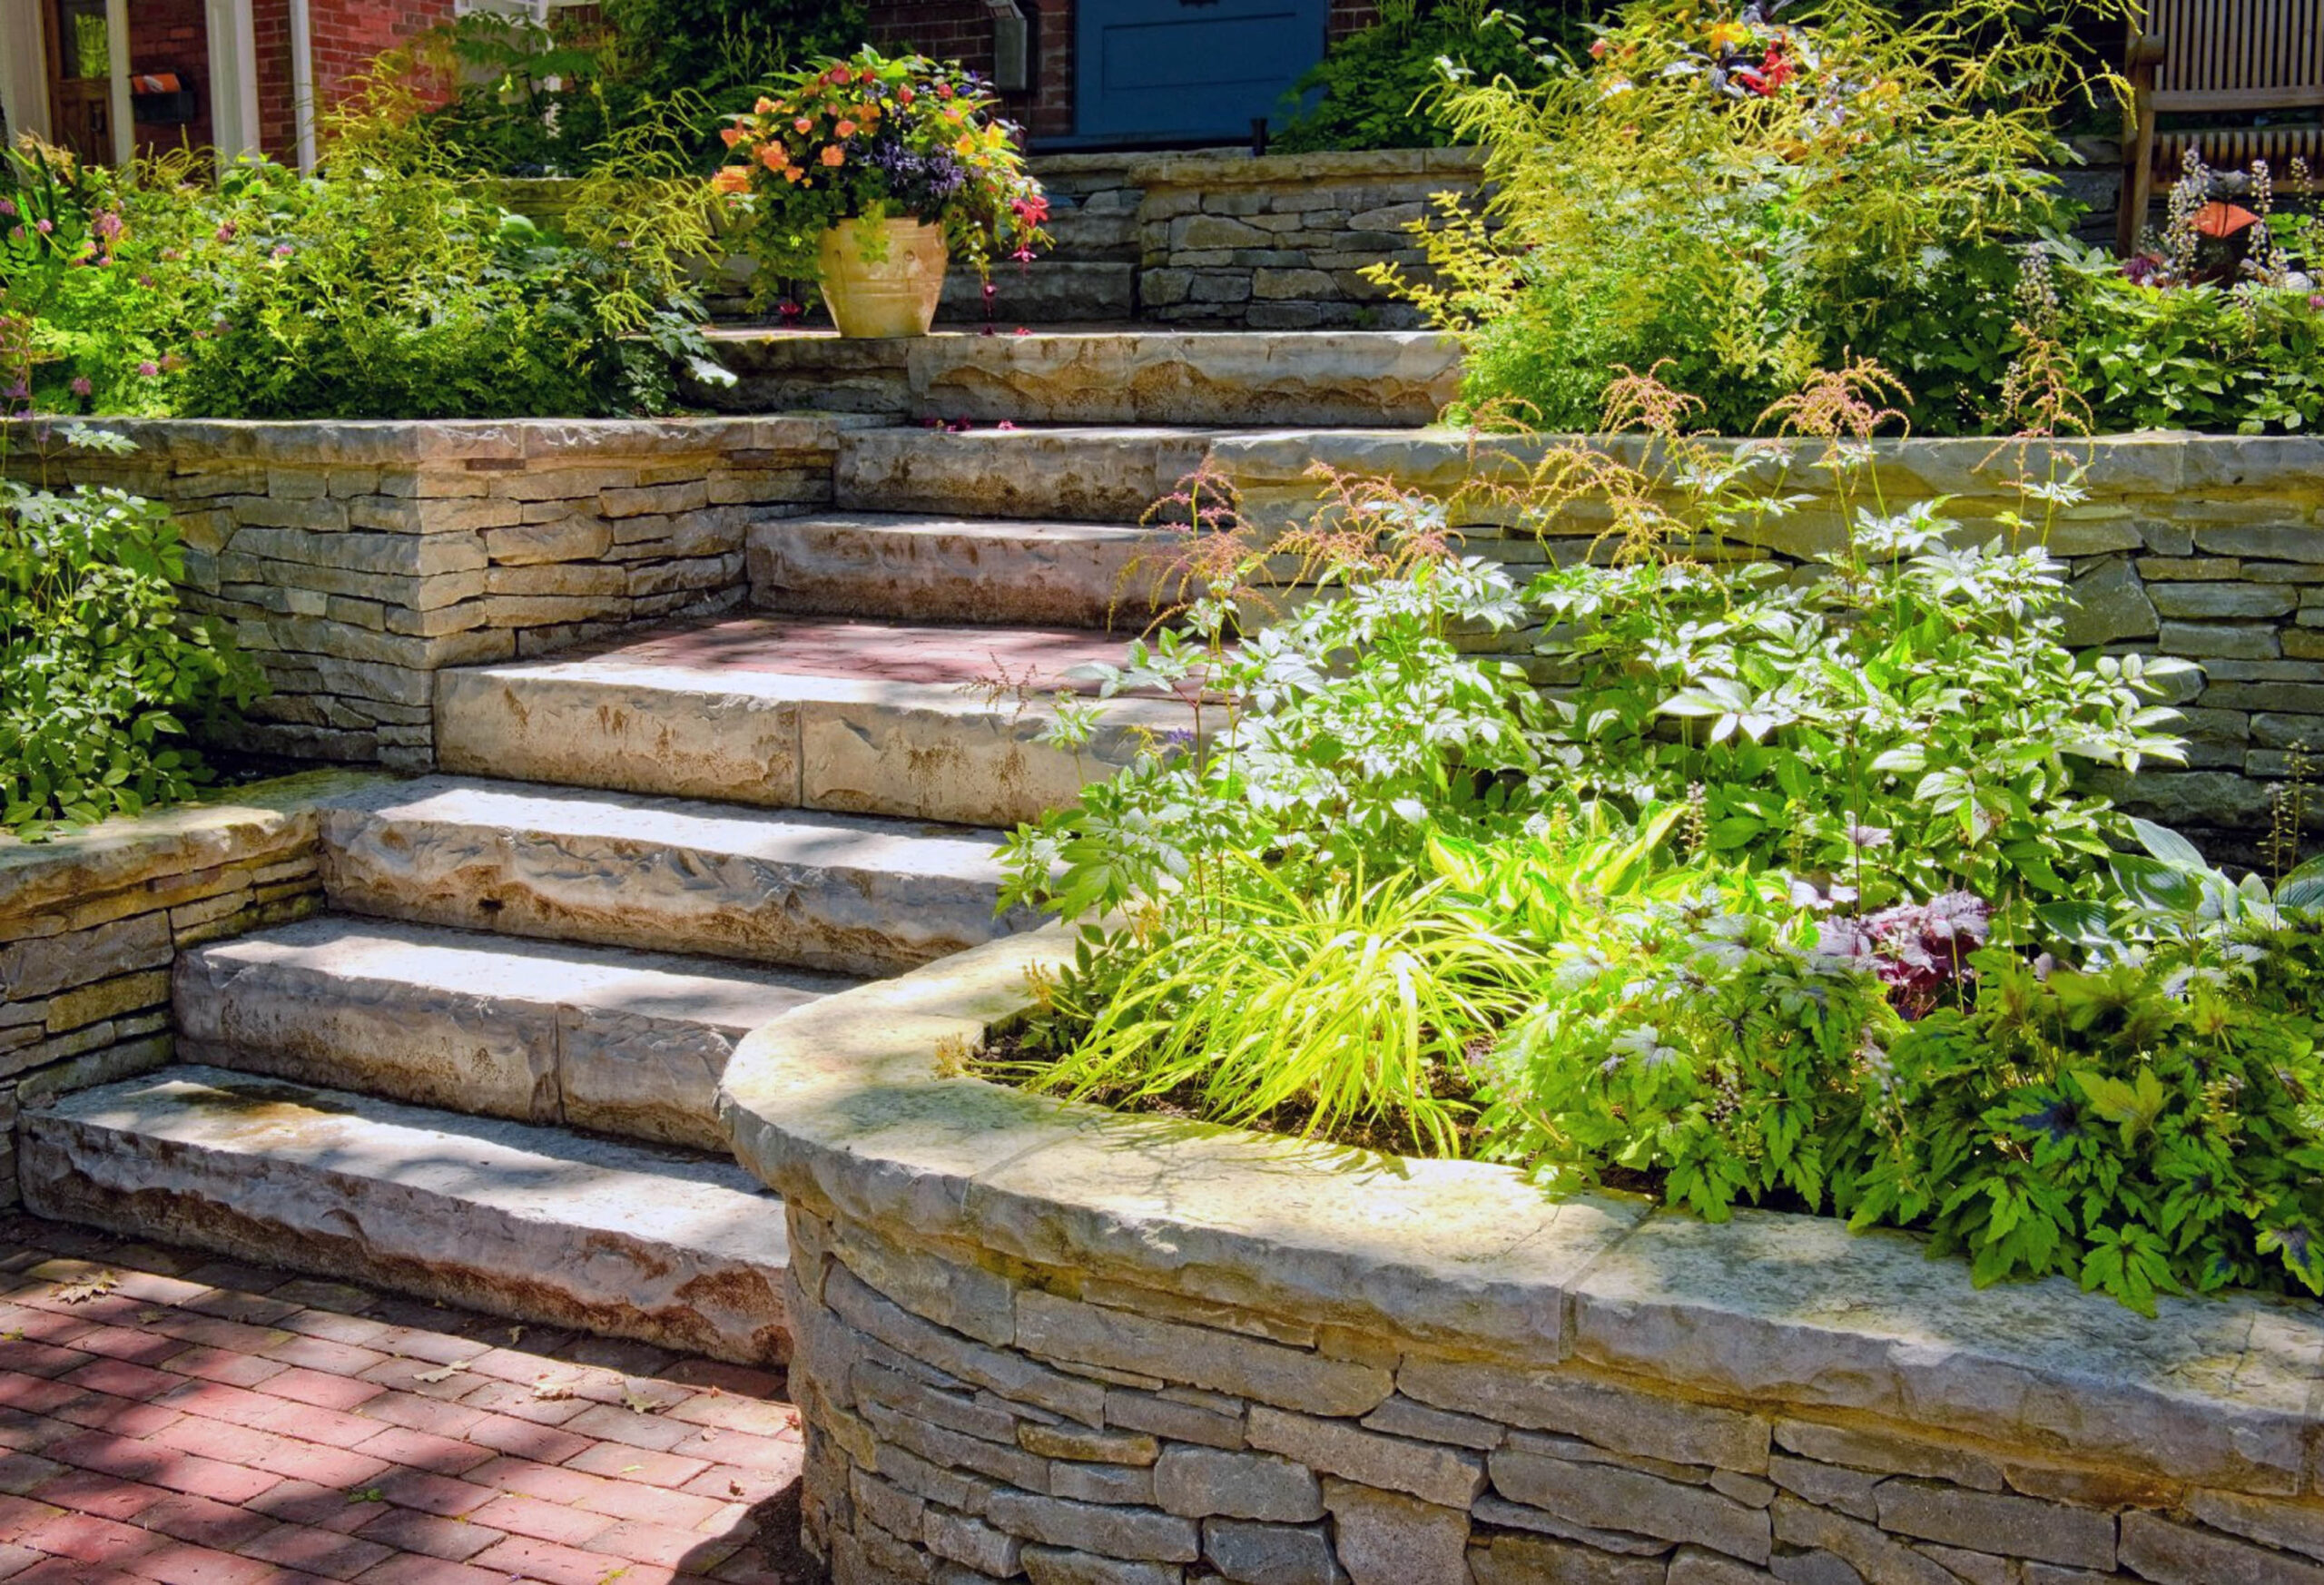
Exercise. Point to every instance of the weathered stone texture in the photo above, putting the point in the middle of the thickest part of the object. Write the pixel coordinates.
(91, 920)
(1163, 1393)
(355, 560)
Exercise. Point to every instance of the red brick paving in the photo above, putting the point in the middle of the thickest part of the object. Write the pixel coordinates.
(170, 1419)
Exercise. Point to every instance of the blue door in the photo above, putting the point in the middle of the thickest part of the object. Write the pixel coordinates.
(1185, 71)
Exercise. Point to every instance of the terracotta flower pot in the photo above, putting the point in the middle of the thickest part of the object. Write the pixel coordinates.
(892, 293)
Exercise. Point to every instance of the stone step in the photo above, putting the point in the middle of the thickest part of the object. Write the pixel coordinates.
(1085, 473)
(934, 568)
(844, 894)
(615, 1041)
(914, 722)
(1099, 375)
(536, 1223)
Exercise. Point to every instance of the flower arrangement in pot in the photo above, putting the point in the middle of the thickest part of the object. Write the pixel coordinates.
(864, 174)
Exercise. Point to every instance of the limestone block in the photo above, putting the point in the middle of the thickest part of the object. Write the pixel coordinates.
(1102, 1483)
(42, 966)
(1881, 1558)
(1445, 1476)
(1181, 1421)
(1625, 1419)
(2213, 601)
(1009, 1375)
(1998, 1522)
(1129, 1448)
(1701, 1566)
(1813, 1568)
(891, 1507)
(954, 1450)
(1133, 1533)
(567, 537)
(971, 1543)
(690, 496)
(1270, 1554)
(1201, 1482)
(1827, 1485)
(2218, 640)
(1385, 1538)
(874, 1383)
(1889, 1453)
(2272, 544)
(1057, 1566)
(2176, 1554)
(1065, 1329)
(1401, 1416)
(1607, 1497)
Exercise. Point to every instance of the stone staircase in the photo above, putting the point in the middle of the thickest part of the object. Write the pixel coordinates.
(487, 1074)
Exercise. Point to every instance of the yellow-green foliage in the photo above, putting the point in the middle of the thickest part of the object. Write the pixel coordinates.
(1650, 202)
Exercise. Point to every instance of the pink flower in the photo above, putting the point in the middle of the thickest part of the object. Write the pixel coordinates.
(149, 368)
(282, 250)
(81, 386)
(45, 227)
(1004, 423)
(7, 209)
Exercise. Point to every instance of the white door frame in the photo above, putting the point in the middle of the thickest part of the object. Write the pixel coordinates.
(23, 68)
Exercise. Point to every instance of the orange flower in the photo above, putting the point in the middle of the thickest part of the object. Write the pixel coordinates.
(845, 129)
(905, 95)
(774, 156)
(731, 179)
(731, 134)
(834, 155)
(804, 124)
(836, 74)
(764, 105)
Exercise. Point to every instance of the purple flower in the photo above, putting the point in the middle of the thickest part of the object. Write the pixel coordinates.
(7, 209)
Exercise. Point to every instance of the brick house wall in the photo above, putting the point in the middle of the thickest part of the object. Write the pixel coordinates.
(963, 29)
(173, 35)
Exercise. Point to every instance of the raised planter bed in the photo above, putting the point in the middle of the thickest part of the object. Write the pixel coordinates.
(1043, 1339)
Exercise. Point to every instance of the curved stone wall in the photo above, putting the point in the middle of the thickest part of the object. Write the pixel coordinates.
(1036, 1341)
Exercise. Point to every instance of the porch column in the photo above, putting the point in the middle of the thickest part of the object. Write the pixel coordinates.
(234, 77)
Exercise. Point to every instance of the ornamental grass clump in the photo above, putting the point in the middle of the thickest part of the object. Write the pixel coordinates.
(1784, 890)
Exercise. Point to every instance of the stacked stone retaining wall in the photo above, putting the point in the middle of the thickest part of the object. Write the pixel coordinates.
(355, 560)
(1039, 1341)
(91, 920)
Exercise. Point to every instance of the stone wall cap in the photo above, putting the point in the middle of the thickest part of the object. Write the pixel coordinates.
(844, 1105)
(220, 828)
(1240, 168)
(349, 442)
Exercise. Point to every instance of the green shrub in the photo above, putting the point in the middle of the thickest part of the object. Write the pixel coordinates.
(390, 287)
(553, 99)
(1784, 896)
(1378, 88)
(1752, 201)
(104, 674)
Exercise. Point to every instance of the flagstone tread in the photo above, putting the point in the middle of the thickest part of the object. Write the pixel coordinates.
(916, 721)
(940, 567)
(842, 893)
(618, 1041)
(1101, 374)
(542, 1224)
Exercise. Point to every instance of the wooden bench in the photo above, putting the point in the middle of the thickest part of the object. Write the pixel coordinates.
(2216, 58)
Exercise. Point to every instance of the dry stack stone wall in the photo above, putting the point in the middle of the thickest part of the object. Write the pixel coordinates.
(90, 922)
(966, 1426)
(355, 560)
(1280, 243)
(1035, 1340)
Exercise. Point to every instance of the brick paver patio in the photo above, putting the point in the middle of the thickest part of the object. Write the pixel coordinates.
(166, 1416)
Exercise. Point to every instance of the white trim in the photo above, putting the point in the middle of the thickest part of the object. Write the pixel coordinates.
(124, 113)
(234, 77)
(23, 68)
(302, 82)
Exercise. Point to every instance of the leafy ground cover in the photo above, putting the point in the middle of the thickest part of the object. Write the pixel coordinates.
(1753, 196)
(1783, 892)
